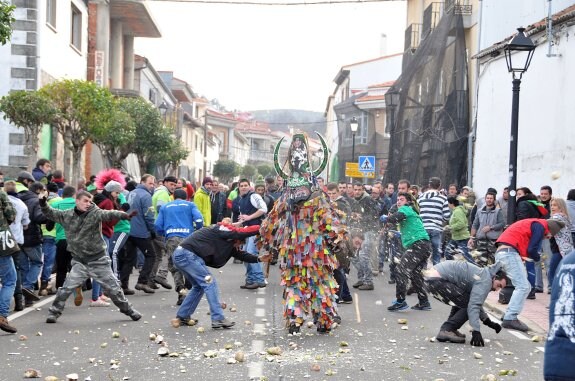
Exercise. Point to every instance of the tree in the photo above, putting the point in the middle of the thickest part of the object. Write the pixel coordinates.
(226, 170)
(249, 171)
(6, 21)
(167, 161)
(116, 142)
(29, 110)
(83, 110)
(265, 170)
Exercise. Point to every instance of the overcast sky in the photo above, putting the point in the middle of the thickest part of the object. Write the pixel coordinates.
(269, 57)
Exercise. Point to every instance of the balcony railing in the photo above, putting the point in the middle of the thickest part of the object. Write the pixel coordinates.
(431, 16)
(462, 7)
(412, 37)
(261, 155)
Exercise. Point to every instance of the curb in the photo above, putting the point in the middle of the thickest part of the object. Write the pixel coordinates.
(498, 312)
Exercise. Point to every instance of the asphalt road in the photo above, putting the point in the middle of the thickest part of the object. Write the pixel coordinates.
(370, 344)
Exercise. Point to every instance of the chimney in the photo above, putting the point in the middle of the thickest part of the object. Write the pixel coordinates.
(383, 45)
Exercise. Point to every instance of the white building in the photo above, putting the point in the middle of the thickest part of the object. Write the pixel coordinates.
(49, 42)
(546, 141)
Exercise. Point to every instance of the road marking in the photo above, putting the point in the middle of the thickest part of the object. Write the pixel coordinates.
(357, 314)
(260, 312)
(260, 328)
(255, 370)
(260, 301)
(542, 349)
(518, 334)
(30, 309)
(261, 291)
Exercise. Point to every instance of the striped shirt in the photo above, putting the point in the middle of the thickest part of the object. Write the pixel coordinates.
(433, 209)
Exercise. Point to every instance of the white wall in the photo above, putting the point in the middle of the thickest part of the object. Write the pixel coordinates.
(57, 57)
(501, 18)
(371, 73)
(546, 140)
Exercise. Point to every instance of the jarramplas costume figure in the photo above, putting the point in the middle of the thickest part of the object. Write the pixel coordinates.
(308, 234)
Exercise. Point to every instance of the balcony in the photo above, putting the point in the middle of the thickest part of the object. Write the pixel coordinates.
(431, 17)
(412, 37)
(259, 156)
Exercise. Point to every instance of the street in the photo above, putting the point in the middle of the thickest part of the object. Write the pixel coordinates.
(370, 344)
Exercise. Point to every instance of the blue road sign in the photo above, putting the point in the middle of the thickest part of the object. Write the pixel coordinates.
(366, 164)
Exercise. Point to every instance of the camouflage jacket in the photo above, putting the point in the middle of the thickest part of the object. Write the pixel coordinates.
(84, 230)
(8, 245)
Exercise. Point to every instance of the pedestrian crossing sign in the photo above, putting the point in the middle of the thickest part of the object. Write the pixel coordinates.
(366, 163)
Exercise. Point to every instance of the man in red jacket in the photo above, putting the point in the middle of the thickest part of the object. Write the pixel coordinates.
(521, 241)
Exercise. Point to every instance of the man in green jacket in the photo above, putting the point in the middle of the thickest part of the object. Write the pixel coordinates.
(203, 202)
(88, 248)
(417, 246)
(459, 230)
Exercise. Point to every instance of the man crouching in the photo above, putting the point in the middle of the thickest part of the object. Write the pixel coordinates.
(89, 255)
(464, 286)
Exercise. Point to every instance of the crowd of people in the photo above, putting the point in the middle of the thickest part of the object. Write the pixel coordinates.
(448, 243)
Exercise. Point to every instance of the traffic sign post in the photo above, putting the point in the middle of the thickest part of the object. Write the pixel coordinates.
(366, 164)
(352, 170)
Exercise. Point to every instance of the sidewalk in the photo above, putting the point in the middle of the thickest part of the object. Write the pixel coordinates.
(535, 313)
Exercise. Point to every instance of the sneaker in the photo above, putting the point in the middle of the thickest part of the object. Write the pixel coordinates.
(531, 295)
(250, 286)
(262, 285)
(323, 329)
(398, 306)
(79, 298)
(422, 306)
(18, 303)
(538, 290)
(29, 294)
(345, 301)
(391, 281)
(189, 322)
(224, 323)
(104, 298)
(5, 326)
(51, 318)
(449, 336)
(144, 287)
(134, 315)
(515, 324)
(162, 282)
(337, 319)
(357, 284)
(99, 303)
(366, 287)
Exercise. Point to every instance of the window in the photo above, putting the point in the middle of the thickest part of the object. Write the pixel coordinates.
(76, 28)
(51, 13)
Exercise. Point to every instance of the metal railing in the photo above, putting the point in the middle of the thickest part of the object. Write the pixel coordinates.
(462, 7)
(412, 37)
(431, 16)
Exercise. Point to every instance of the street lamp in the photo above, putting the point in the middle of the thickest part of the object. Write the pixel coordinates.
(353, 124)
(518, 54)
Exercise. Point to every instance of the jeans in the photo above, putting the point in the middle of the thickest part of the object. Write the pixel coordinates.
(160, 268)
(461, 246)
(362, 264)
(195, 270)
(553, 265)
(49, 249)
(370, 242)
(530, 267)
(8, 281)
(96, 288)
(513, 265)
(171, 246)
(546, 251)
(343, 291)
(254, 273)
(435, 238)
(30, 265)
(18, 287)
(101, 271)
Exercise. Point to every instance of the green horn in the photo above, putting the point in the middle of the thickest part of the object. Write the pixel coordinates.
(319, 170)
(277, 165)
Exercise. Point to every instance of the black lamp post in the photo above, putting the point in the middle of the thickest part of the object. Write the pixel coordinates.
(518, 54)
(353, 124)
(391, 102)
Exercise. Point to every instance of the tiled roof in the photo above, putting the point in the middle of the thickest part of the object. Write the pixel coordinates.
(368, 98)
(373, 59)
(384, 84)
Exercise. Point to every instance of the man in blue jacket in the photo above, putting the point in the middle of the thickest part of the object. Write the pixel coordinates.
(176, 220)
(142, 231)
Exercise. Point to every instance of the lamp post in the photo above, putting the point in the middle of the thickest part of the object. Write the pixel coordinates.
(391, 102)
(518, 54)
(163, 107)
(353, 124)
